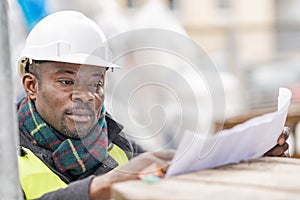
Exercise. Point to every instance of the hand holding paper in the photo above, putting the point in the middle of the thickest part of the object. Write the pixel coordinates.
(243, 142)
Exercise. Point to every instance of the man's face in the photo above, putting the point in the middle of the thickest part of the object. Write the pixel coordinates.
(70, 97)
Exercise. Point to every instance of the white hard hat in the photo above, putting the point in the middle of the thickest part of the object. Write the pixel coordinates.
(66, 36)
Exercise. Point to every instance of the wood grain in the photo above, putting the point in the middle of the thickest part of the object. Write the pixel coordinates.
(264, 178)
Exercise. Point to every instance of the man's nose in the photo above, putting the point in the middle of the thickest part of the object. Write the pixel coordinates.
(82, 94)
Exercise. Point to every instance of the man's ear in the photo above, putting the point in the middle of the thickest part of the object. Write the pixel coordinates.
(30, 84)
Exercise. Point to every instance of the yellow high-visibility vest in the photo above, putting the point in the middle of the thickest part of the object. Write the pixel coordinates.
(37, 179)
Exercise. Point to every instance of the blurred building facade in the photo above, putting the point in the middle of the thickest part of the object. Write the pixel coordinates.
(242, 37)
(234, 32)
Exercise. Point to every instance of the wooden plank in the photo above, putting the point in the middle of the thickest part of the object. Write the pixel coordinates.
(265, 178)
(271, 172)
(185, 190)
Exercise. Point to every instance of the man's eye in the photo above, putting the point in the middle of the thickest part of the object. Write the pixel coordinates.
(66, 82)
(97, 84)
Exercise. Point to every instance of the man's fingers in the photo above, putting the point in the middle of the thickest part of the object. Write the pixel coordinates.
(163, 158)
(278, 150)
(282, 146)
(144, 160)
(160, 164)
(282, 139)
(284, 135)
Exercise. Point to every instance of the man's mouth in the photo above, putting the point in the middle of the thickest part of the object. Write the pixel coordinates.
(80, 116)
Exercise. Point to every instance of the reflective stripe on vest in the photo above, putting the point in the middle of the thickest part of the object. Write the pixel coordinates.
(37, 179)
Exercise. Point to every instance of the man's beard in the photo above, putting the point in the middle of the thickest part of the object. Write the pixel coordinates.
(79, 131)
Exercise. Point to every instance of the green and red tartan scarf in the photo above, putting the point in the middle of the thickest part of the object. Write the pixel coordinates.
(74, 156)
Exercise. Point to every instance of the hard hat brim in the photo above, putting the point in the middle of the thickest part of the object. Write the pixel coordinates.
(81, 59)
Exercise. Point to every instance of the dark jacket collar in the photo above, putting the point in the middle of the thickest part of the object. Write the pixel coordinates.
(114, 128)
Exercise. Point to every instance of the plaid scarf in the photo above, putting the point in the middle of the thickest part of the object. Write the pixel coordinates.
(74, 156)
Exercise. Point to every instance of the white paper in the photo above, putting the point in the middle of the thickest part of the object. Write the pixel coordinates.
(245, 141)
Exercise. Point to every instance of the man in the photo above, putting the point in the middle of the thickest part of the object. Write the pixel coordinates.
(68, 142)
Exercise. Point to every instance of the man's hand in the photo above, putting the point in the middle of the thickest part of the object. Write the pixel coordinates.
(100, 186)
(282, 146)
(138, 164)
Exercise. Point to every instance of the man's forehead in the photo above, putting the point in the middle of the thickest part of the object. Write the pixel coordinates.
(75, 69)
